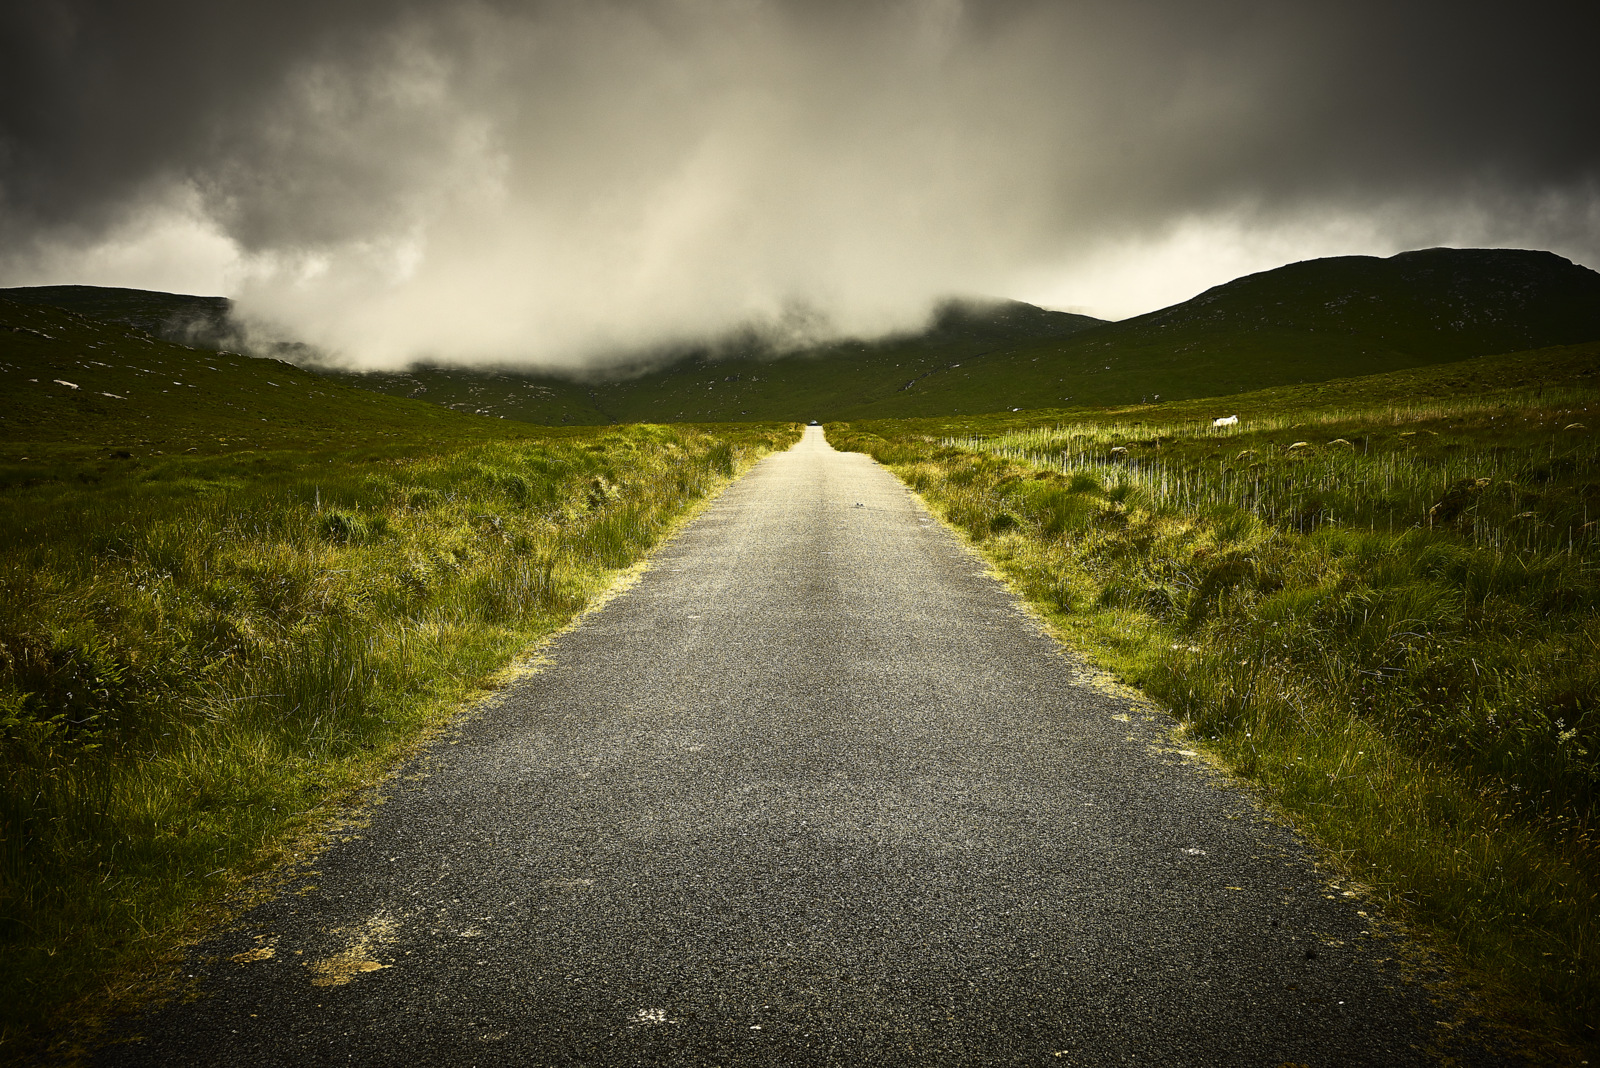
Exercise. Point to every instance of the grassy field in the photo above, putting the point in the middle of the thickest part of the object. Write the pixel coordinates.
(1377, 599)
(213, 627)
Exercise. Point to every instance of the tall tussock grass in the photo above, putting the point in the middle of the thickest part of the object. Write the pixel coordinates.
(1387, 618)
(195, 653)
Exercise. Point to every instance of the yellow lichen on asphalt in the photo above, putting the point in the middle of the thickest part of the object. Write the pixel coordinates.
(266, 949)
(357, 956)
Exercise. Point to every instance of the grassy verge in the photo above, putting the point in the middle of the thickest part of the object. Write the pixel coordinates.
(198, 650)
(1384, 615)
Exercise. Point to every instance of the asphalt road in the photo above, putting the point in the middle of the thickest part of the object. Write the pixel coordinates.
(815, 791)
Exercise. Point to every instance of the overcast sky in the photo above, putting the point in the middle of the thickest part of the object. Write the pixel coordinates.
(553, 183)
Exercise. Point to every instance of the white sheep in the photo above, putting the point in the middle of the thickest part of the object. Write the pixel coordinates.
(1227, 420)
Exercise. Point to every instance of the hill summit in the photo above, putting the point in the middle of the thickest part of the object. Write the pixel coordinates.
(1459, 302)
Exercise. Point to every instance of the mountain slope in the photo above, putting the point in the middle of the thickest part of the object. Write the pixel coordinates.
(202, 321)
(71, 382)
(1458, 302)
(1305, 322)
(752, 384)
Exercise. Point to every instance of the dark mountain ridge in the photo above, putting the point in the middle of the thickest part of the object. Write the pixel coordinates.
(1437, 299)
(202, 322)
(1305, 322)
(94, 387)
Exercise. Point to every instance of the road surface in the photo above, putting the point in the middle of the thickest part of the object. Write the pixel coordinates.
(815, 791)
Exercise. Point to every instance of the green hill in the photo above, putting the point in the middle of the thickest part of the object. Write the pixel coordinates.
(681, 385)
(1305, 322)
(72, 384)
(202, 321)
(1450, 302)
(742, 380)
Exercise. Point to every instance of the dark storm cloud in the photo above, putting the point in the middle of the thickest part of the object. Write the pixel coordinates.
(549, 181)
(98, 99)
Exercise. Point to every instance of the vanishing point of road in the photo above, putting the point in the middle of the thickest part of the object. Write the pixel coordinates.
(814, 791)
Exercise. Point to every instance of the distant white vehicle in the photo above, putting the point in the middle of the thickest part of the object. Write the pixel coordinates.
(1227, 420)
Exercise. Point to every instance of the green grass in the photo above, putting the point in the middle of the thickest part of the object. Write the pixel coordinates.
(1382, 610)
(212, 629)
